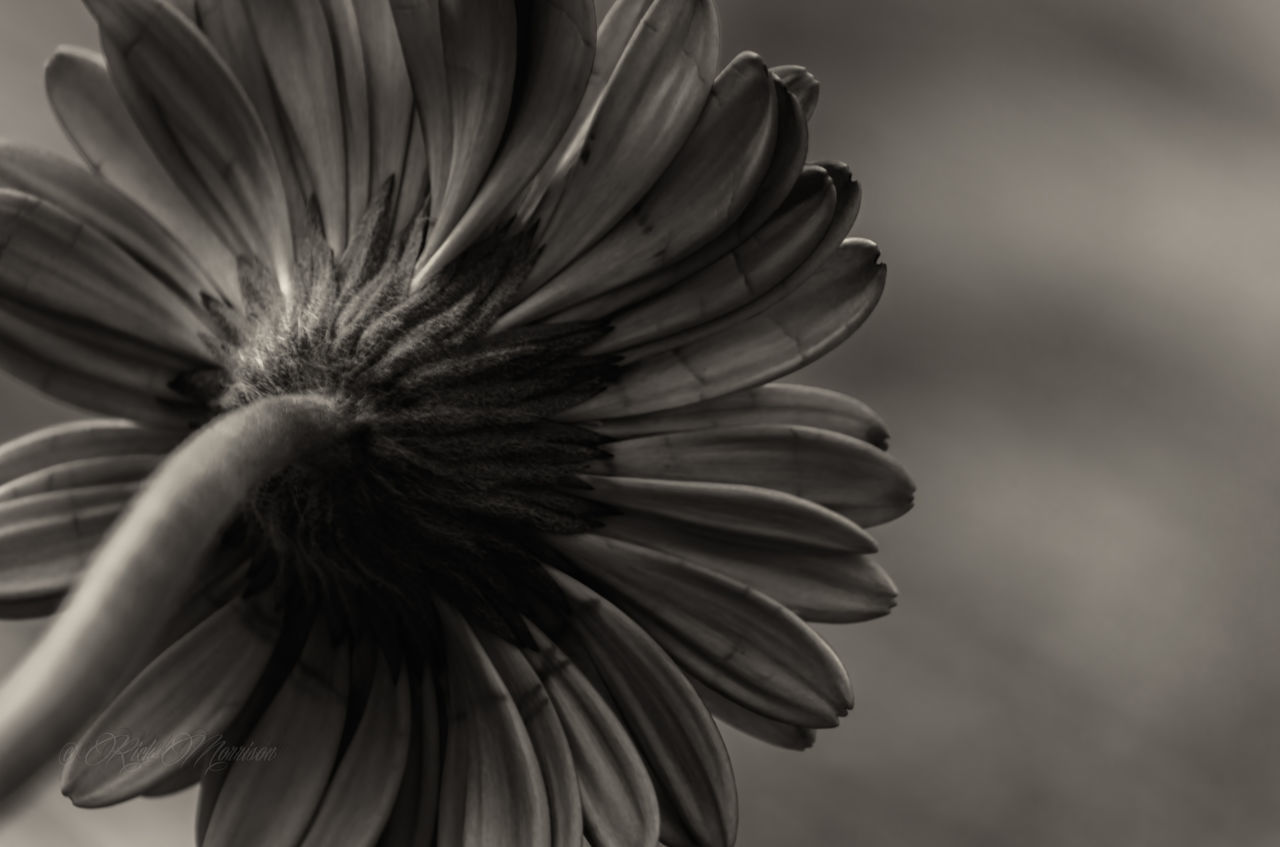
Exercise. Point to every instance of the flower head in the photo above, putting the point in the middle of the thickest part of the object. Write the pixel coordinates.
(437, 338)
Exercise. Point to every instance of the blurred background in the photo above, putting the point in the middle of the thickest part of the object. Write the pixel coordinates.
(1079, 202)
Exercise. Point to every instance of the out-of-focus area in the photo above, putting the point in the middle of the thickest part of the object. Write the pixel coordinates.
(1079, 202)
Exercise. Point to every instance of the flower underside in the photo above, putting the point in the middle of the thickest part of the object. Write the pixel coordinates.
(452, 470)
(436, 347)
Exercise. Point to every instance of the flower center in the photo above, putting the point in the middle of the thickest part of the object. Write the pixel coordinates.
(454, 472)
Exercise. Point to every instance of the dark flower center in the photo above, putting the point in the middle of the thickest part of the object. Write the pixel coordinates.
(453, 472)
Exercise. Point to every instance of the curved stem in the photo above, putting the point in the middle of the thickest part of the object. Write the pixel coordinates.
(147, 565)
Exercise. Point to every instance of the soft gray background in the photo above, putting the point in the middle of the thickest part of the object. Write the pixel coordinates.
(1079, 201)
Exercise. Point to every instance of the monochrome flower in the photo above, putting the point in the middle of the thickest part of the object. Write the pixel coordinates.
(437, 340)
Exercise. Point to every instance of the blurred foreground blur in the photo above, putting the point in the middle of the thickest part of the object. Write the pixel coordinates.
(1079, 202)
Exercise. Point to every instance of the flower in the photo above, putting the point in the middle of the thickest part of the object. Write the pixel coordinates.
(444, 462)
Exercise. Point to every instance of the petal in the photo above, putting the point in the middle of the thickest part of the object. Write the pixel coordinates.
(823, 255)
(757, 265)
(802, 85)
(83, 439)
(645, 111)
(550, 745)
(492, 792)
(790, 145)
(78, 473)
(705, 188)
(92, 200)
(731, 638)
(363, 789)
(54, 262)
(292, 637)
(391, 106)
(101, 355)
(432, 751)
(42, 557)
(618, 801)
(480, 66)
(355, 88)
(415, 180)
(557, 38)
(775, 403)
(803, 327)
(169, 714)
(295, 42)
(844, 474)
(773, 732)
(815, 582)
(99, 126)
(661, 711)
(227, 25)
(74, 387)
(301, 727)
(760, 515)
(194, 113)
(415, 804)
(66, 501)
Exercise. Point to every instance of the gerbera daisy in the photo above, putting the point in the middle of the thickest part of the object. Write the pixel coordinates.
(444, 469)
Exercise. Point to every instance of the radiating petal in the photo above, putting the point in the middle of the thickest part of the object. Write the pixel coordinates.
(391, 106)
(94, 201)
(480, 66)
(558, 40)
(733, 639)
(171, 713)
(802, 84)
(102, 355)
(666, 720)
(229, 28)
(760, 515)
(644, 113)
(54, 262)
(803, 327)
(824, 255)
(42, 557)
(297, 46)
(99, 126)
(619, 805)
(703, 190)
(414, 179)
(356, 89)
(790, 145)
(420, 26)
(434, 728)
(757, 265)
(303, 724)
(844, 474)
(65, 501)
(773, 732)
(363, 789)
(492, 792)
(78, 473)
(417, 796)
(815, 582)
(550, 745)
(90, 393)
(194, 113)
(775, 403)
(83, 439)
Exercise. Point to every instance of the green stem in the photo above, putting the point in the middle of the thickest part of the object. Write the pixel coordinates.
(146, 567)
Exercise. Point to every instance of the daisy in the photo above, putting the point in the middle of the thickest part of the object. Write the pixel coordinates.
(444, 494)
